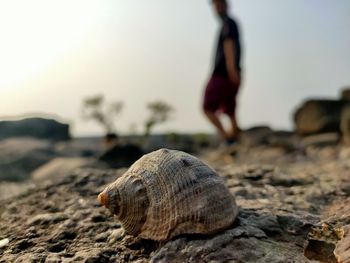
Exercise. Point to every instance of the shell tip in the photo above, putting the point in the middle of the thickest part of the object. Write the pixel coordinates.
(102, 198)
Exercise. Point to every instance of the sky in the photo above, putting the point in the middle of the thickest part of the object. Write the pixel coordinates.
(55, 53)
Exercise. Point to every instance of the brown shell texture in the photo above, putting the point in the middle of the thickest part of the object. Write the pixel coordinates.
(168, 193)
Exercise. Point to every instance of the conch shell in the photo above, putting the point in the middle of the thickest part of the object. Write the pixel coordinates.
(168, 193)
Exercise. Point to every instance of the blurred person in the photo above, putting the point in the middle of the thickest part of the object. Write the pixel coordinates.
(223, 86)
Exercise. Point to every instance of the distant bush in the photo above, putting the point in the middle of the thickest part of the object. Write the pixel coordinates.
(159, 112)
(96, 109)
(203, 140)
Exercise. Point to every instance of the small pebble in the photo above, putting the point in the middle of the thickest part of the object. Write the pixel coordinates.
(4, 242)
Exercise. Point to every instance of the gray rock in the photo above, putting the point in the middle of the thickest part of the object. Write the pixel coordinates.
(116, 235)
(4, 242)
(35, 127)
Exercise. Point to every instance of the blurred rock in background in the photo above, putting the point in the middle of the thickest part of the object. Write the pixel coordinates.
(20, 156)
(317, 116)
(39, 128)
(345, 94)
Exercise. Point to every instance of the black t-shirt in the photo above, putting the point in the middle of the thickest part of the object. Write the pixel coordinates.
(229, 30)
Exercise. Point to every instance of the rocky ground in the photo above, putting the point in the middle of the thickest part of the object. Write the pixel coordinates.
(294, 207)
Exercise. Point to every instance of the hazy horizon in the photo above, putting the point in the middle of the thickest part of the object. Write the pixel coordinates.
(56, 53)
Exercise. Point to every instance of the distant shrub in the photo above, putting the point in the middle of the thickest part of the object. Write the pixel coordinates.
(96, 109)
(203, 140)
(159, 112)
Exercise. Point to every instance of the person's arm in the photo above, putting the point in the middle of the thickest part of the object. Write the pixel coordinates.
(233, 73)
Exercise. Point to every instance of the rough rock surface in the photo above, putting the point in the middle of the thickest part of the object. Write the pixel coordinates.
(39, 128)
(284, 196)
(332, 234)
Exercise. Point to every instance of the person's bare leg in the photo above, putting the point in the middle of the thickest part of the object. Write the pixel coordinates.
(235, 130)
(213, 118)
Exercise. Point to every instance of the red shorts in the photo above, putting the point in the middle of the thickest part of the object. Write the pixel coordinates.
(220, 95)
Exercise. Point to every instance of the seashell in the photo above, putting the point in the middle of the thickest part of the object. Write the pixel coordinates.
(168, 193)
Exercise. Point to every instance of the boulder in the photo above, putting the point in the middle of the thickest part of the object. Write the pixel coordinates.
(345, 94)
(39, 128)
(319, 116)
(119, 156)
(20, 156)
(345, 125)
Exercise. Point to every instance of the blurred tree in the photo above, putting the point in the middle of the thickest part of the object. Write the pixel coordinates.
(159, 113)
(94, 108)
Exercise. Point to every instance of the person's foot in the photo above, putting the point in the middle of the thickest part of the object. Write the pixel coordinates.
(231, 141)
(235, 133)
